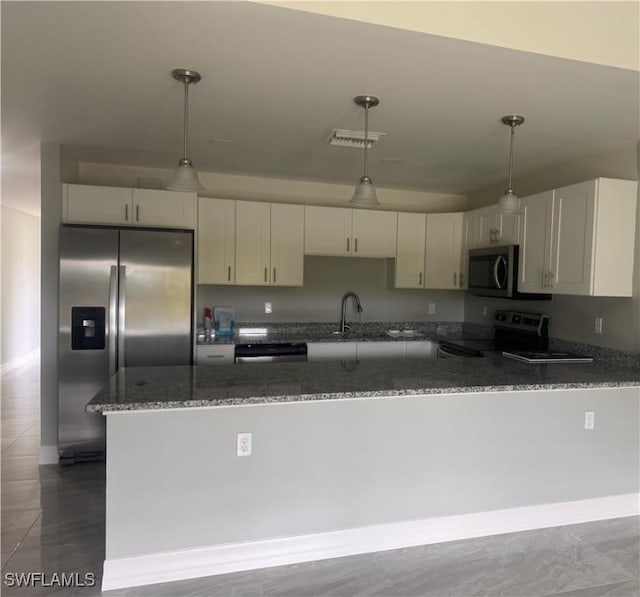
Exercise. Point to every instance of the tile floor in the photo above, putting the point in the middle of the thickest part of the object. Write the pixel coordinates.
(53, 521)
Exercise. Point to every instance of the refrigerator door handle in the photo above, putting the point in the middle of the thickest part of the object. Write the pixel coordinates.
(122, 277)
(113, 317)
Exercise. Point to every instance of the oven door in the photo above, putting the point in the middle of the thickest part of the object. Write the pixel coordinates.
(491, 271)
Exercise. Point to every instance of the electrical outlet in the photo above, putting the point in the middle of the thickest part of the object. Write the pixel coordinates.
(432, 308)
(484, 310)
(267, 308)
(589, 419)
(598, 325)
(244, 444)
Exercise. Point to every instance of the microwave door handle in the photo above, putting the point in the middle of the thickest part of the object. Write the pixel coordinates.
(500, 285)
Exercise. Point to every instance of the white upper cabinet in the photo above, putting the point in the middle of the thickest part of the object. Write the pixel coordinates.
(253, 243)
(535, 246)
(287, 244)
(580, 239)
(340, 231)
(327, 230)
(164, 208)
(410, 247)
(374, 233)
(469, 241)
(443, 251)
(269, 243)
(495, 228)
(87, 204)
(216, 241)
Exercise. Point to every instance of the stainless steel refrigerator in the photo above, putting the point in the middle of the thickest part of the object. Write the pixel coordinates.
(125, 301)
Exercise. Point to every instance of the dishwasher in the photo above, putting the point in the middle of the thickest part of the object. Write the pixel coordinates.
(277, 352)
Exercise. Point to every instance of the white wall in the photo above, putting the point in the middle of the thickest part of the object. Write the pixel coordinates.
(259, 188)
(20, 254)
(51, 210)
(572, 317)
(326, 279)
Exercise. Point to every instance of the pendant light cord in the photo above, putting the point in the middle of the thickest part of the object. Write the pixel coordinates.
(186, 120)
(366, 138)
(513, 130)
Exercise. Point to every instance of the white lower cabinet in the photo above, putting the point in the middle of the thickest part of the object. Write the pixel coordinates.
(331, 351)
(421, 349)
(215, 354)
(362, 351)
(379, 350)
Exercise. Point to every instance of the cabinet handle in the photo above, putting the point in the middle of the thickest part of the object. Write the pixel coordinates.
(420, 279)
(347, 244)
(274, 274)
(228, 273)
(126, 212)
(137, 213)
(266, 272)
(356, 245)
(455, 279)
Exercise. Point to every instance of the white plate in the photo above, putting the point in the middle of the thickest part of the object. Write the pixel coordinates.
(393, 333)
(408, 333)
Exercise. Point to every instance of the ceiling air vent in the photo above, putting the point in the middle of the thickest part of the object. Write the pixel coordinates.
(346, 138)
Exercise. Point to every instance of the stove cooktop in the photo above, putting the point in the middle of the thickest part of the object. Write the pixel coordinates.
(547, 357)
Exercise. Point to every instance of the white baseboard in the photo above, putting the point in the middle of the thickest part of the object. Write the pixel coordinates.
(221, 559)
(48, 455)
(24, 359)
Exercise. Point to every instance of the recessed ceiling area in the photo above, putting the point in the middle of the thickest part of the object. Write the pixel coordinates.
(95, 78)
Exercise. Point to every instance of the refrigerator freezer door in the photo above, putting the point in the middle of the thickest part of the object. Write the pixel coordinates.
(88, 259)
(155, 298)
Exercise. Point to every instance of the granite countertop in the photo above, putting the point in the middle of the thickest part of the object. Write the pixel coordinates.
(148, 388)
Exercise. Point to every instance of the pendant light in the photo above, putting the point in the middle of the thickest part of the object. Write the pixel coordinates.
(185, 176)
(365, 194)
(508, 203)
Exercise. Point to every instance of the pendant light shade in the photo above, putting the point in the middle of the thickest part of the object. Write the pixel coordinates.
(185, 176)
(365, 193)
(509, 203)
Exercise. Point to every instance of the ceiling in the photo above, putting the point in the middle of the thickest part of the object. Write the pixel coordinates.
(94, 77)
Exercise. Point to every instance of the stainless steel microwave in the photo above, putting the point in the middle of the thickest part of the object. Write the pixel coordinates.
(494, 272)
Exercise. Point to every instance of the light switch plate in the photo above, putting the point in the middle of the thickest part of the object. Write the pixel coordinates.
(268, 308)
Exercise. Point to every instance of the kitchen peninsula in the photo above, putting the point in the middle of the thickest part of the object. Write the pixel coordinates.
(352, 457)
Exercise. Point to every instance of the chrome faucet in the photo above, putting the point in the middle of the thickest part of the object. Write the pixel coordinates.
(343, 324)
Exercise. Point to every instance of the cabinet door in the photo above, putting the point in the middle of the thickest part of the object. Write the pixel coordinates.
(327, 231)
(287, 244)
(216, 241)
(409, 271)
(572, 247)
(535, 248)
(331, 351)
(374, 233)
(253, 243)
(164, 208)
(487, 226)
(420, 349)
(508, 226)
(211, 354)
(495, 228)
(380, 350)
(87, 204)
(443, 250)
(469, 241)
